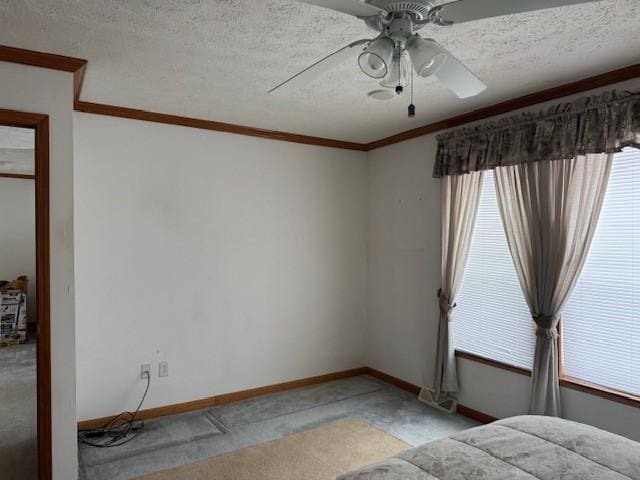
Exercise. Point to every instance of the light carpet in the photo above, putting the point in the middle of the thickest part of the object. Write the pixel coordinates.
(320, 453)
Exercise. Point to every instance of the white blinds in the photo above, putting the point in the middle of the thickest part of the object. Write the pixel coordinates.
(492, 318)
(601, 321)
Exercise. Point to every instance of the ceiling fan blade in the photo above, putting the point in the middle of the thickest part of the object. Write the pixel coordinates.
(458, 78)
(321, 66)
(350, 7)
(467, 10)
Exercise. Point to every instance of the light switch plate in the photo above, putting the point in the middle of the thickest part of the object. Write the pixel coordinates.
(163, 369)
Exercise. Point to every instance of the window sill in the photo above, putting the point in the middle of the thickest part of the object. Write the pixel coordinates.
(492, 363)
(566, 382)
(600, 391)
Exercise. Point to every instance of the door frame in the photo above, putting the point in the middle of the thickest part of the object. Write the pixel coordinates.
(40, 123)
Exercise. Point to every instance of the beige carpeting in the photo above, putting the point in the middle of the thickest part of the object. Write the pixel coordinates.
(321, 453)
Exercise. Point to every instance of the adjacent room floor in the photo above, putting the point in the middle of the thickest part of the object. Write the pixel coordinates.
(18, 444)
(180, 439)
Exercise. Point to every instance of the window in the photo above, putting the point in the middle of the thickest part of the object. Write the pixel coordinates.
(492, 318)
(601, 321)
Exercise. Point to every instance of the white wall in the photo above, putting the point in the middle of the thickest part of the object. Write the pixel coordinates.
(240, 261)
(18, 235)
(404, 259)
(246, 262)
(501, 393)
(404, 276)
(51, 92)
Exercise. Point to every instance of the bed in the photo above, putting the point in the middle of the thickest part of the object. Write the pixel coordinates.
(526, 447)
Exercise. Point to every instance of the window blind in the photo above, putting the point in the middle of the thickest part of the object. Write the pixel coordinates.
(492, 318)
(601, 321)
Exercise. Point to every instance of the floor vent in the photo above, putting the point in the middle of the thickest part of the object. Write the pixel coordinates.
(441, 402)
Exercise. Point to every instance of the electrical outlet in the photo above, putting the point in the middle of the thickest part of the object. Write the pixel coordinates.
(163, 369)
(145, 367)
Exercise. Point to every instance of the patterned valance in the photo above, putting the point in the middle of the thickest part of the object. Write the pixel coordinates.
(603, 123)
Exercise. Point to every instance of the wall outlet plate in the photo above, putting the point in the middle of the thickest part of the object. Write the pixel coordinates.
(163, 369)
(145, 367)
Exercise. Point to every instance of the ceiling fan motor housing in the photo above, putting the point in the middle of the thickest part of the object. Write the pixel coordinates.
(416, 10)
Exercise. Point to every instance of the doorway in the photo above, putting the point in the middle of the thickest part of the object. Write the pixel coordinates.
(25, 346)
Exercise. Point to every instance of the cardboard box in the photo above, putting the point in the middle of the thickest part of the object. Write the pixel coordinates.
(13, 317)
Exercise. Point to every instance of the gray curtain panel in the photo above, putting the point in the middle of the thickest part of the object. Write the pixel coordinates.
(603, 123)
(549, 211)
(459, 200)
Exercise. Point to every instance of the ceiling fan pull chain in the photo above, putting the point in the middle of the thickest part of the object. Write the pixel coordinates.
(412, 108)
(412, 73)
(399, 88)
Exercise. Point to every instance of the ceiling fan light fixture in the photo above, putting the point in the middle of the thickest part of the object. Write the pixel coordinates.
(377, 58)
(399, 72)
(426, 55)
(380, 94)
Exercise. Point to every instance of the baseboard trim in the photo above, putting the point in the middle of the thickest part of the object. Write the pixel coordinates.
(228, 397)
(280, 387)
(18, 176)
(474, 414)
(395, 381)
(415, 389)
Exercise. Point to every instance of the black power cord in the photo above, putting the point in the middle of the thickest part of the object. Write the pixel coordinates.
(119, 430)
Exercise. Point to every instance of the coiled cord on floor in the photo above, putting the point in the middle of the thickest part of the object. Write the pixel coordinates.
(119, 430)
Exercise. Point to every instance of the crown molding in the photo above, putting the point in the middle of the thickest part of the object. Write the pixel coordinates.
(78, 67)
(131, 113)
(78, 81)
(616, 76)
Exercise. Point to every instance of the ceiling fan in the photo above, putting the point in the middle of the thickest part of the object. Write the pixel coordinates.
(390, 56)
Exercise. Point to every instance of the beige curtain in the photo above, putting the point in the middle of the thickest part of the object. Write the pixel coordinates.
(550, 210)
(459, 200)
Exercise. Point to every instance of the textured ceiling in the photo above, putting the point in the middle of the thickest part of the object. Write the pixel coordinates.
(217, 59)
(16, 150)
(17, 160)
(13, 137)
